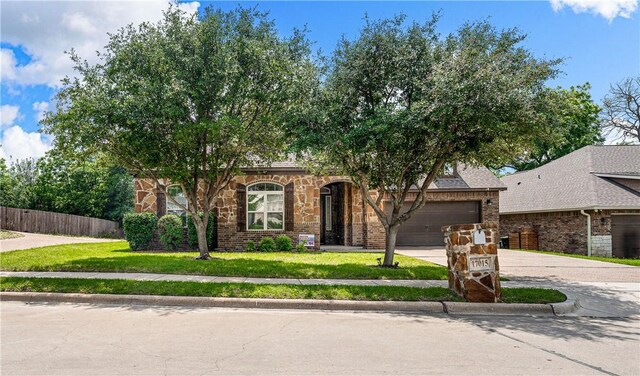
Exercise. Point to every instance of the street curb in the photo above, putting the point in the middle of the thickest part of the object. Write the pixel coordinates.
(457, 308)
(189, 301)
(566, 307)
(453, 308)
(519, 309)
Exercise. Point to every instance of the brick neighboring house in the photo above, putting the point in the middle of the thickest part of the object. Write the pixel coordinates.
(596, 189)
(287, 199)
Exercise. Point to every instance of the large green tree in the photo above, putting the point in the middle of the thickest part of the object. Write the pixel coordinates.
(400, 102)
(53, 183)
(568, 122)
(17, 183)
(191, 99)
(94, 188)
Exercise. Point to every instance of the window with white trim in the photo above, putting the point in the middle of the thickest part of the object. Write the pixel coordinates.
(265, 207)
(175, 191)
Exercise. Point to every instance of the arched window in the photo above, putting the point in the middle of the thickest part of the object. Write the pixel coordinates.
(265, 207)
(175, 191)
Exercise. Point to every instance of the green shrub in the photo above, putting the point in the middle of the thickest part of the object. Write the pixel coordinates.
(139, 229)
(192, 235)
(267, 244)
(170, 231)
(251, 246)
(300, 248)
(284, 243)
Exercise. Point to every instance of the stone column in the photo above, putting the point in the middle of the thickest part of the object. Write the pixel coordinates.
(473, 268)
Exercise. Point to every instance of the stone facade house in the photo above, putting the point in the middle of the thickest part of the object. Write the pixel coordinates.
(585, 202)
(287, 199)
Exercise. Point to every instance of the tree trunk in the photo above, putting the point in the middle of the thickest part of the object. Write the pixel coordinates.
(391, 233)
(201, 231)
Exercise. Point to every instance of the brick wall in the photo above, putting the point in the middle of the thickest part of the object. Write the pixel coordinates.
(362, 227)
(565, 232)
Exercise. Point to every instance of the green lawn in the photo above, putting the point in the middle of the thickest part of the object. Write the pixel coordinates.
(632, 262)
(248, 290)
(531, 295)
(116, 257)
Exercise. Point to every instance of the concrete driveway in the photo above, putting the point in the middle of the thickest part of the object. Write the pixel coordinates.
(520, 265)
(30, 240)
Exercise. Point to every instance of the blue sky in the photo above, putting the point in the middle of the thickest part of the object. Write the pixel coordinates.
(600, 41)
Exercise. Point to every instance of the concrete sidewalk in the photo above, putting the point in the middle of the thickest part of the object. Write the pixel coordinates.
(203, 278)
(595, 299)
(29, 240)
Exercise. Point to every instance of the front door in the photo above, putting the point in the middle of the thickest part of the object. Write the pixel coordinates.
(332, 214)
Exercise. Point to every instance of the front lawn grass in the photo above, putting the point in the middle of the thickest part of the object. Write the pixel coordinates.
(116, 257)
(531, 295)
(228, 290)
(273, 291)
(631, 262)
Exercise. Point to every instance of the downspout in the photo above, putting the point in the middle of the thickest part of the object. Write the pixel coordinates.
(588, 231)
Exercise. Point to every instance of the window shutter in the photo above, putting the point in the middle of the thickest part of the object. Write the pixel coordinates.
(241, 208)
(288, 207)
(161, 202)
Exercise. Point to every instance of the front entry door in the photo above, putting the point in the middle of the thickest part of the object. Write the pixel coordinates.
(332, 214)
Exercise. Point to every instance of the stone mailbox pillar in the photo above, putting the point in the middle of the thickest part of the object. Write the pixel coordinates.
(472, 258)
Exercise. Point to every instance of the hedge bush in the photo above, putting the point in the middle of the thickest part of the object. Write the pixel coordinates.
(301, 248)
(267, 244)
(192, 235)
(284, 243)
(251, 246)
(138, 229)
(170, 231)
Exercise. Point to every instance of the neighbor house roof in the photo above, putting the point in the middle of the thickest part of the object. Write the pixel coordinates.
(588, 178)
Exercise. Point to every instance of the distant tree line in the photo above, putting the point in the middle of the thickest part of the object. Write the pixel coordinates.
(90, 188)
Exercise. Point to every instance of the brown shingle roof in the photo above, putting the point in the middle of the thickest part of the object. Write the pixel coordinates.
(572, 182)
(467, 177)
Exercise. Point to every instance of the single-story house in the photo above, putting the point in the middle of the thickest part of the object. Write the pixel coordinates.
(585, 202)
(287, 199)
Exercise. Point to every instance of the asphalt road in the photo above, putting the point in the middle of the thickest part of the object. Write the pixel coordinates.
(66, 339)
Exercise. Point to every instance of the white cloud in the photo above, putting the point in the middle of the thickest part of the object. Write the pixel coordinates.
(40, 108)
(608, 9)
(8, 115)
(44, 30)
(7, 64)
(17, 144)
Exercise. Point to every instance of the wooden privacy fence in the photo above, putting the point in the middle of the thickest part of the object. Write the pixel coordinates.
(44, 222)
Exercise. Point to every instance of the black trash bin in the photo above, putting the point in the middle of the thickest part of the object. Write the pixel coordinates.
(504, 242)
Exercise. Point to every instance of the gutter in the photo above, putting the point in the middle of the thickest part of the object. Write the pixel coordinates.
(632, 207)
(617, 176)
(588, 231)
